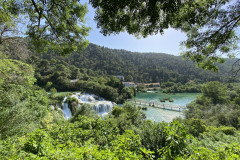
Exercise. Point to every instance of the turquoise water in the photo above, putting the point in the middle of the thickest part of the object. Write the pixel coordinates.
(159, 115)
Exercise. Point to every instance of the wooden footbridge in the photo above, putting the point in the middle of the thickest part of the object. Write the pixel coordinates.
(158, 105)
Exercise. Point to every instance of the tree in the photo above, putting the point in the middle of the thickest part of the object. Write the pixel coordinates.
(136, 17)
(216, 91)
(22, 105)
(51, 24)
(211, 26)
(7, 20)
(213, 34)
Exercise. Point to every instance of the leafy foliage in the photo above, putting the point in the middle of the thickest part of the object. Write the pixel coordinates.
(136, 17)
(22, 104)
(57, 25)
(190, 87)
(211, 26)
(124, 134)
(216, 91)
(213, 33)
(217, 106)
(165, 140)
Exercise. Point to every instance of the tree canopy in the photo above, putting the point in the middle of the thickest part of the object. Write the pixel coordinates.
(54, 24)
(210, 25)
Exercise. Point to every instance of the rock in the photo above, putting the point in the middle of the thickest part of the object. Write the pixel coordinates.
(90, 99)
(73, 107)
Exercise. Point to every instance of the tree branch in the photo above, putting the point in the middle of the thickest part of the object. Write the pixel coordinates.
(38, 11)
(5, 29)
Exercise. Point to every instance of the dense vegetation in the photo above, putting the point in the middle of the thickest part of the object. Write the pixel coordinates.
(89, 71)
(22, 103)
(137, 67)
(56, 25)
(30, 129)
(99, 61)
(217, 106)
(57, 73)
(190, 87)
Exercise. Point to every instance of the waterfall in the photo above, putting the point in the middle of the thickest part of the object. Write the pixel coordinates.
(101, 106)
(66, 110)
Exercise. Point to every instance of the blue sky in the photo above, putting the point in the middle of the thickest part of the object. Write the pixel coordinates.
(168, 43)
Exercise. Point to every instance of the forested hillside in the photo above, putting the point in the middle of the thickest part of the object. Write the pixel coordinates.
(147, 67)
(138, 67)
(56, 73)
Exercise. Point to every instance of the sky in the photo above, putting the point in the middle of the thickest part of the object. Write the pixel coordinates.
(168, 43)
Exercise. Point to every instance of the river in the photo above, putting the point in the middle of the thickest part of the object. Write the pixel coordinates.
(159, 115)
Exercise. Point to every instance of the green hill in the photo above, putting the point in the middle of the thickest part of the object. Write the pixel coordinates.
(138, 67)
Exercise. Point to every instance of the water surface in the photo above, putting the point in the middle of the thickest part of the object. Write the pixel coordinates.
(159, 115)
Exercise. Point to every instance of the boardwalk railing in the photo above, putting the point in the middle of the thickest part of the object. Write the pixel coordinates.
(158, 105)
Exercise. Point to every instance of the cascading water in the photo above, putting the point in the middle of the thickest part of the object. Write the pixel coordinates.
(66, 110)
(101, 106)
